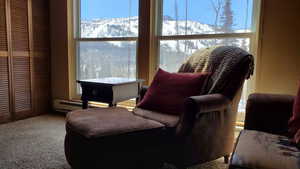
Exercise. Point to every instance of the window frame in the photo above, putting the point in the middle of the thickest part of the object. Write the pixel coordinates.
(78, 39)
(149, 37)
(252, 36)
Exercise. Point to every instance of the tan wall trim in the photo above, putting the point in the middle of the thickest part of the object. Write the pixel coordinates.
(256, 46)
(258, 43)
(71, 51)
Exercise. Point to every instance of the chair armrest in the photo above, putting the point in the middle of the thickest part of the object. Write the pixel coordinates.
(207, 103)
(142, 93)
(269, 113)
(197, 105)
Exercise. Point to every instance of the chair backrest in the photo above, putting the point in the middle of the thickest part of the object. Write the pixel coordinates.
(212, 134)
(229, 67)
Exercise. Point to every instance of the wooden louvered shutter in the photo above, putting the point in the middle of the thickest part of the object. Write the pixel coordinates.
(24, 59)
(4, 73)
(21, 68)
(41, 55)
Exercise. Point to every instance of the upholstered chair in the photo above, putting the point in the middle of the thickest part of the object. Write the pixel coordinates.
(264, 143)
(205, 131)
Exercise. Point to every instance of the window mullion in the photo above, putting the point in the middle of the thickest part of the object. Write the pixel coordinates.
(77, 14)
(207, 36)
(108, 39)
(143, 47)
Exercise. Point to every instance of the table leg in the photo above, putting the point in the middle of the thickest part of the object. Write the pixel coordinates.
(85, 104)
(112, 105)
(137, 100)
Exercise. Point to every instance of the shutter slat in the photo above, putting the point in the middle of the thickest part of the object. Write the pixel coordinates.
(21, 74)
(42, 82)
(41, 56)
(19, 25)
(40, 16)
(3, 36)
(4, 90)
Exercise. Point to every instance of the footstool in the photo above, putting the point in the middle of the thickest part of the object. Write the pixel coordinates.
(261, 150)
(111, 138)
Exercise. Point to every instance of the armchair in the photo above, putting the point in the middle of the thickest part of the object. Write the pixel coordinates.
(264, 142)
(205, 131)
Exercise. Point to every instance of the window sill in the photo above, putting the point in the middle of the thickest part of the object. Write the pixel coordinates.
(129, 104)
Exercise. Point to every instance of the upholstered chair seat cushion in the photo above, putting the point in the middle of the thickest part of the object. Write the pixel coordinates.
(99, 122)
(256, 149)
(168, 120)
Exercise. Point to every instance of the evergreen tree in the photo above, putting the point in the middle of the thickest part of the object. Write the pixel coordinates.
(227, 22)
(177, 24)
(227, 17)
(217, 7)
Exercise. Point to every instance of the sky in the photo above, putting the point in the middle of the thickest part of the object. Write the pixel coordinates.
(198, 10)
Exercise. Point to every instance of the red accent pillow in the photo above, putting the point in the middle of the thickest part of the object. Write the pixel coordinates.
(168, 91)
(294, 122)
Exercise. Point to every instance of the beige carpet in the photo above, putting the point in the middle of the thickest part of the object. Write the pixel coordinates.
(38, 143)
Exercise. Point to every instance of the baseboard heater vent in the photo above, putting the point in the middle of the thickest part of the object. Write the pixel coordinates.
(66, 106)
(69, 105)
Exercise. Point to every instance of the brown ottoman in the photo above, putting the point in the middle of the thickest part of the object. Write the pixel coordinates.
(111, 138)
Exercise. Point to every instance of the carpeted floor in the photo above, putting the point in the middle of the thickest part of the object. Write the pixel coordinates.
(38, 143)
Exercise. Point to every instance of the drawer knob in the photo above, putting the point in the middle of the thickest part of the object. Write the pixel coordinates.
(95, 92)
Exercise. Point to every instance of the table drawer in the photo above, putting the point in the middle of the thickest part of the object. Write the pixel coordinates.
(95, 93)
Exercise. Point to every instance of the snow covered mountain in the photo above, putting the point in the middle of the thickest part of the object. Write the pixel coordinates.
(128, 27)
(107, 58)
(113, 27)
(118, 27)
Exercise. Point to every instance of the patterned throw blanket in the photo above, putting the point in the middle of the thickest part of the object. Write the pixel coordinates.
(229, 67)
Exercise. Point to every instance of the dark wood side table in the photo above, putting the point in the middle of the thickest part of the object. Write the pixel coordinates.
(109, 90)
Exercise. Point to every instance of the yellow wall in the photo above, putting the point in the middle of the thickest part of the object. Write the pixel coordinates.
(279, 60)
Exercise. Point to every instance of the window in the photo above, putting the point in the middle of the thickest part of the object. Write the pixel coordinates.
(185, 26)
(106, 39)
(107, 33)
(189, 25)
